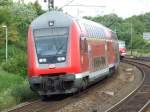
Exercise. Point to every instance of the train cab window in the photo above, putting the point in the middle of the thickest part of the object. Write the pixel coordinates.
(51, 44)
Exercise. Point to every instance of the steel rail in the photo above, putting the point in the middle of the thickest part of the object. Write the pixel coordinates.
(121, 103)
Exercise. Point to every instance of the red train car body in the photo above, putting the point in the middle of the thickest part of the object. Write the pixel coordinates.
(66, 54)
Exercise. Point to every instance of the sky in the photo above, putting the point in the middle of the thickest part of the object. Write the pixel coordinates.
(123, 8)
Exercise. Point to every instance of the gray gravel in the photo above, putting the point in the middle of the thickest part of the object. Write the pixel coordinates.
(112, 91)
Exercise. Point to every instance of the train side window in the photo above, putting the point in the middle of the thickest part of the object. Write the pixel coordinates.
(100, 60)
(83, 44)
(100, 33)
(96, 32)
(91, 35)
(91, 31)
(107, 46)
(103, 36)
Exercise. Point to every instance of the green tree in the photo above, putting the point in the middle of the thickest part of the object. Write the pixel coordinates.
(123, 27)
(17, 17)
(147, 22)
(110, 20)
(6, 3)
(24, 14)
(37, 7)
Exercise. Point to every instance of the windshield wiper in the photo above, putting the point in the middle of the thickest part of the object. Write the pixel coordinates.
(59, 49)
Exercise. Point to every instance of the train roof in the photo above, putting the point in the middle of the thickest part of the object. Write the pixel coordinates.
(121, 41)
(61, 19)
(85, 21)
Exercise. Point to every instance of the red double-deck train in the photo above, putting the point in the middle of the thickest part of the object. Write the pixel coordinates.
(122, 48)
(66, 54)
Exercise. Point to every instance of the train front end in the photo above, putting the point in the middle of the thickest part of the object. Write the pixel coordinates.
(122, 48)
(51, 51)
(122, 52)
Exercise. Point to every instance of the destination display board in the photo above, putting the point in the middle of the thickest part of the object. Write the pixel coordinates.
(50, 32)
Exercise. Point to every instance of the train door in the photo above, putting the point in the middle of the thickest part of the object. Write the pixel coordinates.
(111, 53)
(84, 54)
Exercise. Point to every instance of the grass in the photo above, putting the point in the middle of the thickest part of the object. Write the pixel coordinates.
(139, 53)
(14, 89)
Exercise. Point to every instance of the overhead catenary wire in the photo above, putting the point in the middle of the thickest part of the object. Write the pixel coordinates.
(67, 4)
(82, 5)
(79, 5)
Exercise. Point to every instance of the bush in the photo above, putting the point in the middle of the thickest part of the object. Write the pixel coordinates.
(2, 54)
(6, 100)
(16, 65)
(23, 92)
(16, 94)
(14, 89)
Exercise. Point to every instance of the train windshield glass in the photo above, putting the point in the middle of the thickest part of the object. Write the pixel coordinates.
(51, 46)
(121, 44)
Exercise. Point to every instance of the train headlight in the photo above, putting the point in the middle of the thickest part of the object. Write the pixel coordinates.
(61, 58)
(42, 60)
(58, 59)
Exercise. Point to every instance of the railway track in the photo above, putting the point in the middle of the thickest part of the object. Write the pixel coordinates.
(55, 103)
(28, 107)
(139, 100)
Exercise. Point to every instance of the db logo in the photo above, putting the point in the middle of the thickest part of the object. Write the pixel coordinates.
(51, 66)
